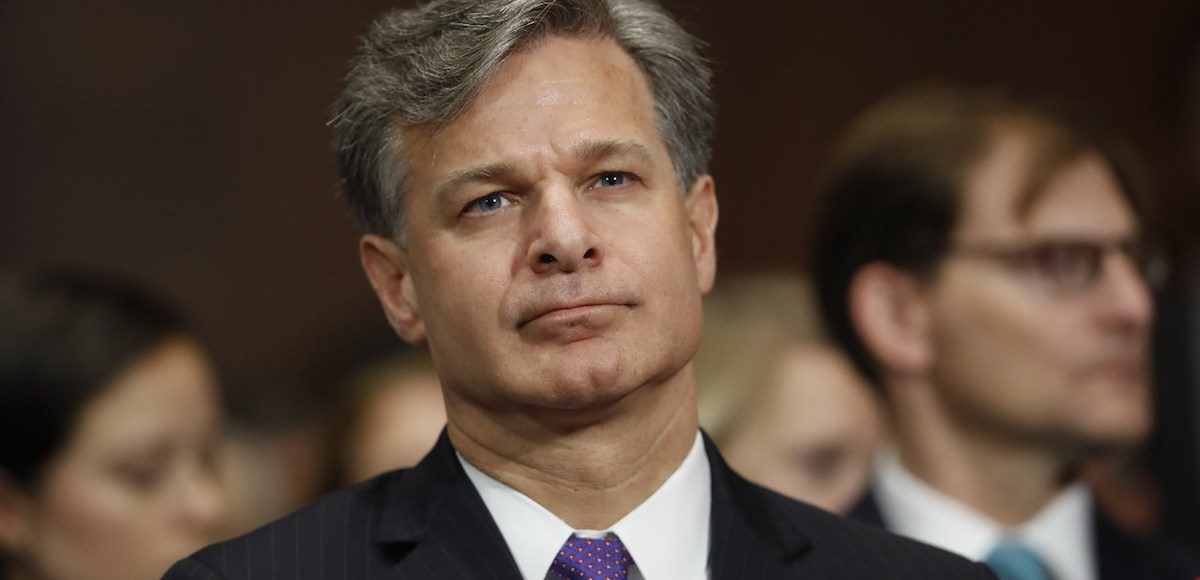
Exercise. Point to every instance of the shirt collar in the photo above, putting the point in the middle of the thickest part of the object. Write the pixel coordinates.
(664, 534)
(1060, 533)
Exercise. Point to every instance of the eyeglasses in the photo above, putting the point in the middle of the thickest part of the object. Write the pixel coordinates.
(1072, 266)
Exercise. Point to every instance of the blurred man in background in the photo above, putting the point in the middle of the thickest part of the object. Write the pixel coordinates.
(983, 259)
(533, 178)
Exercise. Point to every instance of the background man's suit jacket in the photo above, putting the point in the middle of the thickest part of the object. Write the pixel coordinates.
(1120, 556)
(428, 522)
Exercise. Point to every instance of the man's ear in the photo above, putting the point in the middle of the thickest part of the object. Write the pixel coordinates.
(891, 315)
(386, 265)
(14, 517)
(701, 204)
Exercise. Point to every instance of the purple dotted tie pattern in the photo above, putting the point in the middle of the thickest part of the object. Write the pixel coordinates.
(588, 559)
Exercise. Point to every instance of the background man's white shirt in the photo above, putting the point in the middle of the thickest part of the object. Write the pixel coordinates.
(1061, 533)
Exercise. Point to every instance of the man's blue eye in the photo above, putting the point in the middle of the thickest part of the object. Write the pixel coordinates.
(488, 203)
(611, 180)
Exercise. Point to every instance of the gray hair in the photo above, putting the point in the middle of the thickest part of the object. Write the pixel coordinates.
(425, 66)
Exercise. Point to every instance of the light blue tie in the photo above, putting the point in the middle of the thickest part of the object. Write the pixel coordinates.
(1014, 561)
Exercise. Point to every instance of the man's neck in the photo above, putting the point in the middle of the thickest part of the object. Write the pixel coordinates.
(1008, 482)
(592, 474)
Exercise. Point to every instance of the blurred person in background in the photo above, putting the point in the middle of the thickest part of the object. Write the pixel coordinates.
(983, 259)
(109, 429)
(273, 463)
(787, 409)
(384, 415)
(391, 415)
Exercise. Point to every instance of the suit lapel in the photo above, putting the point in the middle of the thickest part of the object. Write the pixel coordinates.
(437, 526)
(749, 538)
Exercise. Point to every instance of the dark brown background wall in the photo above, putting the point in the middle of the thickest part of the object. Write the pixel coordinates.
(184, 143)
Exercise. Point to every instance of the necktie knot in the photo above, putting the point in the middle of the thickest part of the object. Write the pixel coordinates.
(1012, 560)
(592, 559)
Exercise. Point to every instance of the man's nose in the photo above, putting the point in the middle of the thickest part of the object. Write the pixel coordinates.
(1126, 294)
(563, 239)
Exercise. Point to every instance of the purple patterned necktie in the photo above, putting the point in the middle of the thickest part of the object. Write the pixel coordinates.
(587, 559)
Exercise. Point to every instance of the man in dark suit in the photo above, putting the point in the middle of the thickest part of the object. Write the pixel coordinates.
(533, 178)
(982, 259)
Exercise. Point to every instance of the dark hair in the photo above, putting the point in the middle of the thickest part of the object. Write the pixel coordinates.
(425, 66)
(893, 190)
(63, 338)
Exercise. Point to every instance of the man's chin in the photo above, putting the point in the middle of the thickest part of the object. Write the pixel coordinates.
(1113, 437)
(588, 390)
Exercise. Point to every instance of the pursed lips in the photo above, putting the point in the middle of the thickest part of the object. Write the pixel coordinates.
(566, 310)
(1128, 367)
(1126, 364)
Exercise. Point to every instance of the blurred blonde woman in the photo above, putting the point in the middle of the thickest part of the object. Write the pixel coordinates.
(786, 409)
(390, 417)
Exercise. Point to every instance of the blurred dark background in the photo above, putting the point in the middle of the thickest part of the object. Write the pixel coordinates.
(184, 144)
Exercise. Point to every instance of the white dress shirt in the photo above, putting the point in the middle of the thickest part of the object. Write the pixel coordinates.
(1061, 533)
(667, 535)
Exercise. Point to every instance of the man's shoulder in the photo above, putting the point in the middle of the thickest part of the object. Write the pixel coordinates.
(845, 545)
(1123, 554)
(754, 524)
(757, 533)
(332, 535)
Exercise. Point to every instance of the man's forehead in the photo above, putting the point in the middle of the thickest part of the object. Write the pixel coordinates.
(989, 192)
(1080, 196)
(1084, 198)
(582, 95)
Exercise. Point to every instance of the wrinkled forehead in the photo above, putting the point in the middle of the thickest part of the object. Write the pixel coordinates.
(580, 97)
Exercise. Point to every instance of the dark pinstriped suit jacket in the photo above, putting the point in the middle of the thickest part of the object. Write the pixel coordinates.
(1120, 556)
(428, 522)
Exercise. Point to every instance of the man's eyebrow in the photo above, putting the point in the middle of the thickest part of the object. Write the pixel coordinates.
(486, 172)
(589, 151)
(592, 151)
